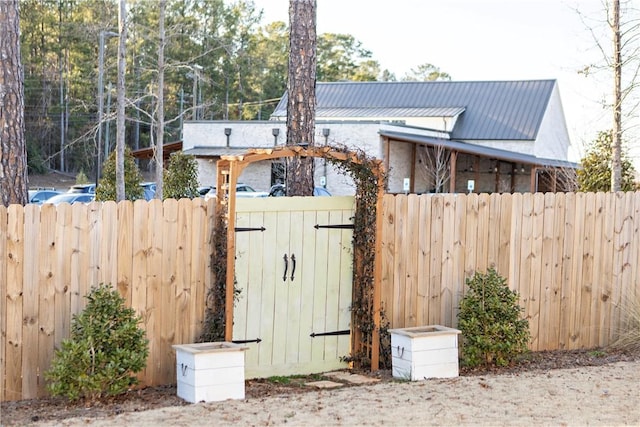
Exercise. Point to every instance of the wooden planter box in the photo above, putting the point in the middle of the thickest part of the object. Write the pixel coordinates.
(424, 352)
(210, 371)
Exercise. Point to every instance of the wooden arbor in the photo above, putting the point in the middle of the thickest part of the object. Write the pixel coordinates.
(229, 169)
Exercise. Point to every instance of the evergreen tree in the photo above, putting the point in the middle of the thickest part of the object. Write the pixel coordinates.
(595, 174)
(181, 178)
(132, 178)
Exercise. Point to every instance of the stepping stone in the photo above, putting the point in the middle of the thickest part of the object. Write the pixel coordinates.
(352, 378)
(323, 384)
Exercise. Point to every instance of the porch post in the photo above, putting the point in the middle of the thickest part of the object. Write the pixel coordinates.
(413, 168)
(453, 161)
(534, 173)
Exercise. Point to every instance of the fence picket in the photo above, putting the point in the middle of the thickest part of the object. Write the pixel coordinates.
(15, 295)
(47, 293)
(574, 259)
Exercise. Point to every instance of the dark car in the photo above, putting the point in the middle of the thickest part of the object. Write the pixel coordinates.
(279, 190)
(204, 190)
(40, 196)
(83, 188)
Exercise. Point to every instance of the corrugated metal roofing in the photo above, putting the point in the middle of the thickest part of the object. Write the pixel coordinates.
(389, 112)
(489, 152)
(218, 151)
(494, 110)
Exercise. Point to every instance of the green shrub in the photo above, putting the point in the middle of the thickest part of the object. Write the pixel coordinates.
(492, 331)
(132, 178)
(105, 350)
(81, 178)
(181, 178)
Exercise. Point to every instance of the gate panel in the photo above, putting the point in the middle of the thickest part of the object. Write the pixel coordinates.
(294, 280)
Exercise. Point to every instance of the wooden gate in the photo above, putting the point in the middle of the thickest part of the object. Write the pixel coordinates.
(294, 267)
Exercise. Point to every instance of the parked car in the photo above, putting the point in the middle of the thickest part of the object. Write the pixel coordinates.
(149, 189)
(39, 196)
(204, 190)
(279, 190)
(71, 198)
(242, 190)
(83, 188)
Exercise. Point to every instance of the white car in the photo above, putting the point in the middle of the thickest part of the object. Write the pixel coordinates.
(71, 198)
(242, 190)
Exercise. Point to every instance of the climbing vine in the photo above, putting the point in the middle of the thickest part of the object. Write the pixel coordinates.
(366, 173)
(216, 295)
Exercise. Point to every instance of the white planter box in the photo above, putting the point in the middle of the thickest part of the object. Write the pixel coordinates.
(424, 352)
(210, 371)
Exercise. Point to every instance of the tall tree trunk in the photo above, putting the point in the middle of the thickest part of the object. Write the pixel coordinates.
(158, 152)
(120, 123)
(301, 106)
(13, 152)
(616, 143)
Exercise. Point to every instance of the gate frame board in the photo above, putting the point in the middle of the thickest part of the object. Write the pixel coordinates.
(229, 169)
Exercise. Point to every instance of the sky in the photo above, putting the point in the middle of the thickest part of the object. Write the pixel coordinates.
(483, 40)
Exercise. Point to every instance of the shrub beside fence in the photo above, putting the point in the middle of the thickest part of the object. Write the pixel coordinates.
(156, 253)
(573, 258)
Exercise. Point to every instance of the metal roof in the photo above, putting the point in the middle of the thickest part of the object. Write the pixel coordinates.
(494, 110)
(489, 152)
(219, 151)
(386, 112)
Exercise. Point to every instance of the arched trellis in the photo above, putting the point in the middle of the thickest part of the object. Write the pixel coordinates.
(229, 169)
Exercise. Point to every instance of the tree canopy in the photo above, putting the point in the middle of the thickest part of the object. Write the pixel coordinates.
(221, 62)
(595, 174)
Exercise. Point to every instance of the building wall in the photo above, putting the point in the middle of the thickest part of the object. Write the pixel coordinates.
(552, 141)
(259, 134)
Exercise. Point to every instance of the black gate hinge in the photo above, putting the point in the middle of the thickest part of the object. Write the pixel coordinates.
(340, 226)
(324, 334)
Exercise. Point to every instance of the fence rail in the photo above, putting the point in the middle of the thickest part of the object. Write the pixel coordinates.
(573, 258)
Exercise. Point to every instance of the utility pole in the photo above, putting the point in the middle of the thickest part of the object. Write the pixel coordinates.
(102, 36)
(120, 122)
(616, 137)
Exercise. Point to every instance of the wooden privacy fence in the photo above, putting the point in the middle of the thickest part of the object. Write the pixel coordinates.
(574, 259)
(157, 253)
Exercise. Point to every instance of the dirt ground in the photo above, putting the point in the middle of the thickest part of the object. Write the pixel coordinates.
(53, 180)
(568, 388)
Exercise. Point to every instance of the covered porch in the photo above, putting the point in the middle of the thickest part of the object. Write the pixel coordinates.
(438, 165)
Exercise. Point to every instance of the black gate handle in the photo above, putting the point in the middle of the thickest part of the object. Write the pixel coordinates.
(293, 270)
(286, 267)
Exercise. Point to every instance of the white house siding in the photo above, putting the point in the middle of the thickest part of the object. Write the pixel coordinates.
(247, 134)
(552, 141)
(444, 124)
(399, 164)
(257, 175)
(258, 134)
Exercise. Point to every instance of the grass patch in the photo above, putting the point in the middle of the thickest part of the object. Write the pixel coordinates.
(628, 336)
(295, 379)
